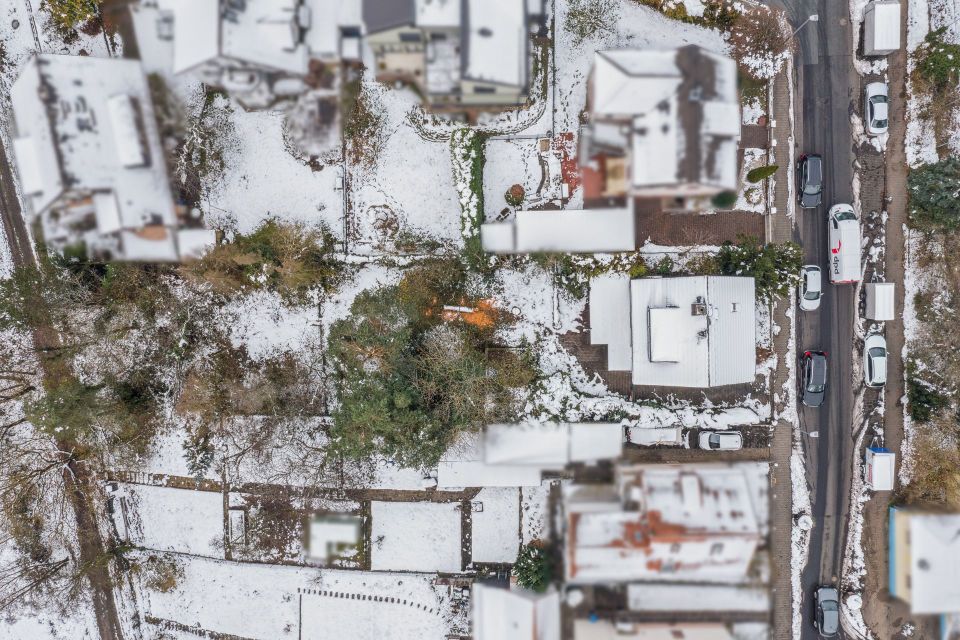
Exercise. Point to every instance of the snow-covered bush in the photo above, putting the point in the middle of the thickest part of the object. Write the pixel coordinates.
(761, 41)
(774, 267)
(534, 567)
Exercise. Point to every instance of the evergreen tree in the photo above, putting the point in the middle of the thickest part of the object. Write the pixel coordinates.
(534, 567)
(933, 194)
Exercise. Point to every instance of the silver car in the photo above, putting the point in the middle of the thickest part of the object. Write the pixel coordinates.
(720, 440)
(875, 361)
(811, 287)
(876, 108)
(827, 611)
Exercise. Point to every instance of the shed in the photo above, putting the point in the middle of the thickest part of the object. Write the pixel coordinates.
(880, 300)
(879, 472)
(881, 27)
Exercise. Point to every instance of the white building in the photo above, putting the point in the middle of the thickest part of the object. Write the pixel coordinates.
(925, 560)
(691, 331)
(505, 614)
(257, 50)
(663, 123)
(666, 523)
(90, 162)
(567, 231)
(623, 630)
(457, 53)
(515, 455)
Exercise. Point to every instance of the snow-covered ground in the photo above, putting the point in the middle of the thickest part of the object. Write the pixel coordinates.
(495, 525)
(168, 519)
(415, 536)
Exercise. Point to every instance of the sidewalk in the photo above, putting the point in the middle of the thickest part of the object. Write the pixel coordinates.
(780, 229)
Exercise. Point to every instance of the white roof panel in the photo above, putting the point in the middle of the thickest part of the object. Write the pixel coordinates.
(28, 166)
(586, 231)
(886, 24)
(196, 31)
(590, 441)
(438, 14)
(497, 40)
(498, 237)
(935, 563)
(546, 444)
(881, 300)
(610, 318)
(500, 614)
(662, 322)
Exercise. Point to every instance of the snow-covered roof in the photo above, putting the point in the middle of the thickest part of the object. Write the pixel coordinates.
(880, 300)
(584, 629)
(323, 38)
(495, 42)
(682, 109)
(261, 32)
(194, 243)
(463, 466)
(87, 125)
(568, 231)
(196, 28)
(551, 444)
(609, 309)
(693, 331)
(935, 563)
(436, 14)
(882, 28)
(691, 524)
(879, 473)
(516, 614)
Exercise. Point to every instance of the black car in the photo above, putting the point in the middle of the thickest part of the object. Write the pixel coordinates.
(813, 374)
(827, 611)
(809, 181)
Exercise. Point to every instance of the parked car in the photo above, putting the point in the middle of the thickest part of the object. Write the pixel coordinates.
(875, 361)
(720, 440)
(876, 108)
(814, 378)
(811, 287)
(809, 181)
(827, 611)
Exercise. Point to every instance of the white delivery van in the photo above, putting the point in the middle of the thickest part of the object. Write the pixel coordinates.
(880, 303)
(881, 27)
(843, 229)
(879, 472)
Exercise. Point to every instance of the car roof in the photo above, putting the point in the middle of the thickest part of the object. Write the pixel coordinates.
(814, 279)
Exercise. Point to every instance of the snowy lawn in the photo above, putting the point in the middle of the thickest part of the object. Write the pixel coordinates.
(415, 536)
(509, 162)
(264, 602)
(496, 528)
(170, 519)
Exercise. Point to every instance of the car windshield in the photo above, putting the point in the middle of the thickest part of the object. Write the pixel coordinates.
(811, 295)
(714, 441)
(845, 214)
(880, 124)
(877, 352)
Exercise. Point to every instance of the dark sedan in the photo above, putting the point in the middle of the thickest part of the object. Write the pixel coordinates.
(809, 181)
(813, 374)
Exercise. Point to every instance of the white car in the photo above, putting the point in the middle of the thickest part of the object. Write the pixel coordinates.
(876, 108)
(875, 361)
(720, 440)
(811, 287)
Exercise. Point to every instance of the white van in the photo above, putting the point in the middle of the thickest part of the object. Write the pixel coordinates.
(843, 227)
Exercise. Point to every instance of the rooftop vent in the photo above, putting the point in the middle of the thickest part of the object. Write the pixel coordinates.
(698, 308)
(485, 32)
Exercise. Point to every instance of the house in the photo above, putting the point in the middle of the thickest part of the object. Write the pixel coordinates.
(690, 331)
(924, 564)
(663, 124)
(90, 162)
(515, 455)
(332, 536)
(455, 53)
(256, 50)
(665, 523)
(567, 231)
(517, 614)
(623, 630)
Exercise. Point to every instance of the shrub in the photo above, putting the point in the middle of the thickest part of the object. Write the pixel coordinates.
(534, 567)
(761, 40)
(664, 266)
(67, 14)
(761, 173)
(775, 267)
(937, 62)
(923, 400)
(290, 259)
(724, 199)
(468, 148)
(588, 18)
(934, 189)
(514, 195)
(161, 573)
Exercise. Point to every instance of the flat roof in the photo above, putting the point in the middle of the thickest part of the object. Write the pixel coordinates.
(609, 314)
(935, 563)
(496, 42)
(693, 331)
(575, 231)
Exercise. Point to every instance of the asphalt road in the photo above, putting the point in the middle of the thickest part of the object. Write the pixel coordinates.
(826, 92)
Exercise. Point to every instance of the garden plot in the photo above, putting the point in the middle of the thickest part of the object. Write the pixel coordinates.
(535, 512)
(510, 162)
(265, 326)
(281, 602)
(496, 525)
(408, 185)
(752, 195)
(415, 536)
(168, 519)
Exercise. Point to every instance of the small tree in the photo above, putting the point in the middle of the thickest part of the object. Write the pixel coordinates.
(937, 62)
(588, 18)
(534, 567)
(514, 195)
(724, 199)
(67, 14)
(934, 189)
(761, 173)
(775, 267)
